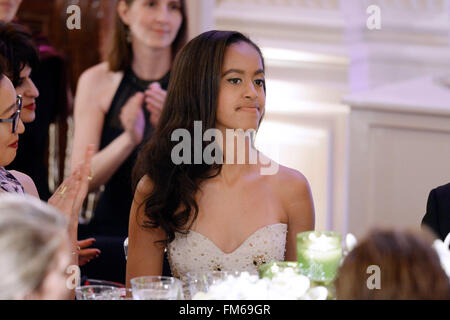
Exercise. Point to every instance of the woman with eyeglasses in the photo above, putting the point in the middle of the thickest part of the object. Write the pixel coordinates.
(20, 57)
(10, 128)
(69, 196)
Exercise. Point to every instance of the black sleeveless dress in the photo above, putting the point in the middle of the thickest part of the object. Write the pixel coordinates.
(111, 216)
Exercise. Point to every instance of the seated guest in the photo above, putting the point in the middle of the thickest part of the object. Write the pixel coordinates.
(50, 77)
(437, 216)
(35, 250)
(409, 268)
(20, 57)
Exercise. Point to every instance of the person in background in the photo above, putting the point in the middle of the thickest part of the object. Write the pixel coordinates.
(20, 57)
(50, 79)
(35, 250)
(437, 216)
(8, 9)
(69, 196)
(117, 106)
(409, 268)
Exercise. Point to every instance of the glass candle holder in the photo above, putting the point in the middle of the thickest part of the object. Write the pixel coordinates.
(319, 254)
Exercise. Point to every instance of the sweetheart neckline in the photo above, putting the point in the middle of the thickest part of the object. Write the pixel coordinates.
(243, 243)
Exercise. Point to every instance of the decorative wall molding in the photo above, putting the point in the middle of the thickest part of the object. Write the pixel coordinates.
(317, 52)
(399, 146)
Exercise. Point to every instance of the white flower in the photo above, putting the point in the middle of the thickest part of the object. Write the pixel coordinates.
(350, 242)
(285, 285)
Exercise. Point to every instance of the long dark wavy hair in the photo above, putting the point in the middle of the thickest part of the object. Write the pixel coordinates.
(192, 96)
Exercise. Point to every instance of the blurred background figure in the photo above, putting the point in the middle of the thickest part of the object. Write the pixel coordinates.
(20, 57)
(437, 216)
(117, 105)
(8, 9)
(34, 250)
(50, 77)
(409, 268)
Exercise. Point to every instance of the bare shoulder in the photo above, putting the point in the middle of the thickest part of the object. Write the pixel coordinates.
(98, 85)
(97, 74)
(100, 78)
(145, 185)
(26, 182)
(291, 178)
(296, 197)
(291, 185)
(139, 216)
(143, 190)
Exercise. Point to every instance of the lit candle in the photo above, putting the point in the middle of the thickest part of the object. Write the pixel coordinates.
(319, 254)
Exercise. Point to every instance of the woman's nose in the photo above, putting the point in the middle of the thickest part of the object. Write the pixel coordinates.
(31, 90)
(251, 92)
(20, 127)
(163, 14)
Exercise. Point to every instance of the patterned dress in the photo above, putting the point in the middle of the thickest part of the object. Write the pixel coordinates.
(8, 183)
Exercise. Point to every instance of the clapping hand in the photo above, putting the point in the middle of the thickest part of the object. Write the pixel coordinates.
(154, 99)
(70, 195)
(132, 118)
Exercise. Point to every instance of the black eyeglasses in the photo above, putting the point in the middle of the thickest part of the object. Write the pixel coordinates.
(15, 118)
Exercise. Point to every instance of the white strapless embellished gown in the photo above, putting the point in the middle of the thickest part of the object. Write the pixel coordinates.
(195, 253)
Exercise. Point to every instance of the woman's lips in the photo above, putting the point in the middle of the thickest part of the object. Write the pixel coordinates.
(14, 145)
(31, 107)
(161, 31)
(248, 109)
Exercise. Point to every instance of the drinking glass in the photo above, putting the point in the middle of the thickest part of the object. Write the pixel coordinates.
(157, 288)
(201, 281)
(95, 292)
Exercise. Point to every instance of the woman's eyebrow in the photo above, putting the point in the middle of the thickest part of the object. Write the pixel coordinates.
(242, 72)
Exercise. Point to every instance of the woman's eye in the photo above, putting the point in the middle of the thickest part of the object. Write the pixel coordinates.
(151, 3)
(260, 82)
(234, 80)
(175, 6)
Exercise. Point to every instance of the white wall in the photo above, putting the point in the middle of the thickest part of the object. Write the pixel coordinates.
(317, 52)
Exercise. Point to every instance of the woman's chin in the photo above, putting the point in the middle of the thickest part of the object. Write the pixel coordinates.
(27, 116)
(8, 159)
